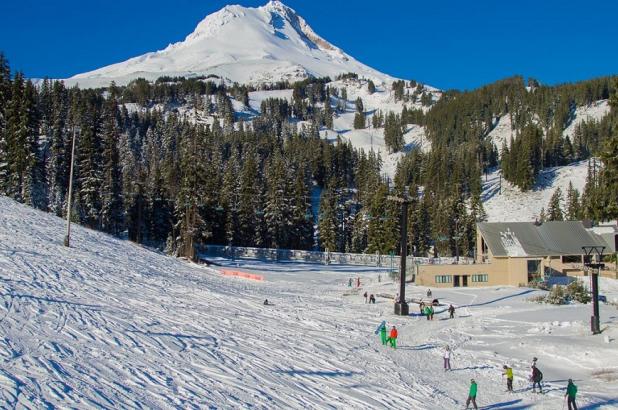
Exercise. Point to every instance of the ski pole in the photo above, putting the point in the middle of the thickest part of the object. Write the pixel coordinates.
(564, 402)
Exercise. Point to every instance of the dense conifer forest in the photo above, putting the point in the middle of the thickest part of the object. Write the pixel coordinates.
(159, 178)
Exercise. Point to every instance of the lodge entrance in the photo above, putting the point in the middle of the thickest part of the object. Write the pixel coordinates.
(460, 280)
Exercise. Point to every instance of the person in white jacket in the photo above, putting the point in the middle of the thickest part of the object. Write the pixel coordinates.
(447, 358)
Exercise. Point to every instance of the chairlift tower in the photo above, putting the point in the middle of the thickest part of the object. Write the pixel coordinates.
(401, 306)
(594, 266)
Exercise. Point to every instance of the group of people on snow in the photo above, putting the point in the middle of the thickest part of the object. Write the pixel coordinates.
(536, 375)
(369, 298)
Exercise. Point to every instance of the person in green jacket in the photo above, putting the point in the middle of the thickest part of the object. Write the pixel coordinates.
(508, 372)
(571, 393)
(472, 394)
(427, 312)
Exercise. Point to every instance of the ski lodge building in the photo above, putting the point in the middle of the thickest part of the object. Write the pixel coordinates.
(516, 253)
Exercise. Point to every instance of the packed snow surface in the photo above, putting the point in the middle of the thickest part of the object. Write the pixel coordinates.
(239, 44)
(108, 324)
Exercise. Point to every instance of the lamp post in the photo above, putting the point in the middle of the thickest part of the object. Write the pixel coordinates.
(456, 237)
(67, 238)
(595, 266)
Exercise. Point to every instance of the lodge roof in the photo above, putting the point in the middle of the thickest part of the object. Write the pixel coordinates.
(528, 239)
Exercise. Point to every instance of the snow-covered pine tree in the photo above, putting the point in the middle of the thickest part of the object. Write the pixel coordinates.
(573, 211)
(88, 154)
(57, 170)
(111, 187)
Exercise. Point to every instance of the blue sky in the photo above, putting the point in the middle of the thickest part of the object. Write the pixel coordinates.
(446, 43)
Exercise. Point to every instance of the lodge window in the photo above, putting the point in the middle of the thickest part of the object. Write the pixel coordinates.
(444, 279)
(572, 259)
(481, 277)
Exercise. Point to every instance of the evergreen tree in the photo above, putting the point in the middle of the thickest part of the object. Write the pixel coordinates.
(111, 184)
(573, 212)
(554, 211)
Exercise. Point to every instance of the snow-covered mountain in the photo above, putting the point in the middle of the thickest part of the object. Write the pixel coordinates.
(239, 44)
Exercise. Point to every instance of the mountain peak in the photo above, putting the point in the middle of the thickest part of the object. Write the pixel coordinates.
(240, 44)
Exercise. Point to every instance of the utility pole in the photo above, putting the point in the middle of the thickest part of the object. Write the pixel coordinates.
(595, 266)
(401, 306)
(456, 237)
(67, 238)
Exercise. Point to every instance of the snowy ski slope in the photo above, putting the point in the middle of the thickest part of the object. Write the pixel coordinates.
(108, 324)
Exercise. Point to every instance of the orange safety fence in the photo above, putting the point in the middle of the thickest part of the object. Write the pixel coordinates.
(239, 274)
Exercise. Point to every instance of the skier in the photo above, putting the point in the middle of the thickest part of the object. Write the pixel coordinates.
(447, 358)
(508, 372)
(392, 338)
(427, 312)
(383, 334)
(350, 283)
(431, 312)
(451, 311)
(429, 293)
(537, 376)
(472, 394)
(379, 278)
(571, 393)
(358, 282)
(365, 296)
(421, 306)
(372, 299)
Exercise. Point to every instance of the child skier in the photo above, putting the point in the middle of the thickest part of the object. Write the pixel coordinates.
(571, 392)
(508, 372)
(447, 358)
(392, 339)
(472, 394)
(383, 334)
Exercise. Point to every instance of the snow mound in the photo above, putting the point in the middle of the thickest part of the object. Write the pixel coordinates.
(239, 44)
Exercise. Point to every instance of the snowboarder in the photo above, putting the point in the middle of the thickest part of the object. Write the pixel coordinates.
(571, 393)
(451, 311)
(537, 376)
(382, 331)
(392, 338)
(372, 299)
(365, 296)
(508, 372)
(429, 293)
(472, 394)
(447, 358)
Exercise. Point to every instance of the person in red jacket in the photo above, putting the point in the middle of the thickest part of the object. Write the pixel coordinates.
(392, 338)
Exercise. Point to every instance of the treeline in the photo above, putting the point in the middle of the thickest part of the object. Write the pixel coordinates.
(156, 178)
